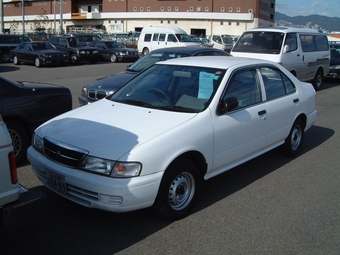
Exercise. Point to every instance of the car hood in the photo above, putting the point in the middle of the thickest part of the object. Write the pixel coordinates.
(111, 83)
(34, 84)
(51, 51)
(109, 129)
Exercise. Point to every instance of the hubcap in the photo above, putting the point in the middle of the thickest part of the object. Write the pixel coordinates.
(16, 141)
(295, 138)
(181, 191)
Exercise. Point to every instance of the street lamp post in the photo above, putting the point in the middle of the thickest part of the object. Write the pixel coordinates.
(23, 16)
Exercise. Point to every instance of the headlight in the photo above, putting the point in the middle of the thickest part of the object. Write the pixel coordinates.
(82, 52)
(38, 143)
(84, 91)
(95, 52)
(335, 67)
(111, 168)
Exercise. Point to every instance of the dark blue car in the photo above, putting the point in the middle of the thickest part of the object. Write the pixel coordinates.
(334, 71)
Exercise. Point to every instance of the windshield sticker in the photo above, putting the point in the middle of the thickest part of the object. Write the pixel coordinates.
(205, 85)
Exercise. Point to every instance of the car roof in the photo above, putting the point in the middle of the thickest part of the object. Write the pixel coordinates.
(223, 62)
(189, 49)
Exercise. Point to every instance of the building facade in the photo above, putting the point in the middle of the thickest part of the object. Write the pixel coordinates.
(201, 17)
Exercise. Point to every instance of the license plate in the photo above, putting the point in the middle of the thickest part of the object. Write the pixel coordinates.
(57, 181)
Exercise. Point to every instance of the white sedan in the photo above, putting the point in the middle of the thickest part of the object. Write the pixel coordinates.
(180, 122)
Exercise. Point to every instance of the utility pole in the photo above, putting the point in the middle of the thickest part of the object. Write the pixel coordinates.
(2, 30)
(23, 16)
(61, 16)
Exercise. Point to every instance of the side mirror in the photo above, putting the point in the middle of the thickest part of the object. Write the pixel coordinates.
(227, 105)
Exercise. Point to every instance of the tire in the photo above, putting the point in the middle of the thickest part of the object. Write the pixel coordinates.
(20, 140)
(16, 60)
(37, 62)
(74, 59)
(318, 80)
(178, 190)
(145, 51)
(293, 142)
(113, 58)
(5, 57)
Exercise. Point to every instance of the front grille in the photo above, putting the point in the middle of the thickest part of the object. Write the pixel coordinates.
(62, 153)
(96, 94)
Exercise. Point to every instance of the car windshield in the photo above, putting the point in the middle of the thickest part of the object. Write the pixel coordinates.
(76, 41)
(184, 38)
(227, 39)
(172, 88)
(112, 45)
(42, 46)
(152, 58)
(335, 50)
(260, 42)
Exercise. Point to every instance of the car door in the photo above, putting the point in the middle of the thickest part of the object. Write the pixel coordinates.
(240, 133)
(282, 100)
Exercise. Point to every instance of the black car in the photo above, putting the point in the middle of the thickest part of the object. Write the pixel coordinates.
(108, 85)
(26, 105)
(39, 53)
(334, 71)
(115, 52)
(76, 48)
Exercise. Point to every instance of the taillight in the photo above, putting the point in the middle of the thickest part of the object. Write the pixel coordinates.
(13, 168)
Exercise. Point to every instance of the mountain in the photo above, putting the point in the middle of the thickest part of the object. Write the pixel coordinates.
(317, 21)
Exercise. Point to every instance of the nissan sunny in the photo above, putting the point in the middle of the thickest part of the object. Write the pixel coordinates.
(180, 122)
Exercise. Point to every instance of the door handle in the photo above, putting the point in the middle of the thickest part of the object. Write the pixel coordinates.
(296, 100)
(262, 112)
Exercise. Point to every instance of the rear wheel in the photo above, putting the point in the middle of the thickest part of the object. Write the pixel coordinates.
(318, 80)
(37, 62)
(178, 190)
(74, 59)
(5, 57)
(16, 60)
(145, 51)
(294, 140)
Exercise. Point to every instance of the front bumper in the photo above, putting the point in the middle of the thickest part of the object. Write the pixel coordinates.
(14, 215)
(96, 191)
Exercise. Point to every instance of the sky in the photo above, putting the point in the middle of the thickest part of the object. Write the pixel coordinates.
(293, 8)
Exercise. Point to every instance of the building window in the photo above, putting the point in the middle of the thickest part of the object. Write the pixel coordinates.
(191, 9)
(175, 21)
(221, 23)
(148, 9)
(237, 23)
(222, 9)
(134, 9)
(199, 9)
(161, 21)
(238, 9)
(230, 9)
(206, 9)
(169, 9)
(176, 9)
(162, 9)
(250, 10)
(141, 9)
(168, 21)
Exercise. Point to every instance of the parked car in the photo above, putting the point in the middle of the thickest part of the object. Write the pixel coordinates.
(334, 71)
(103, 87)
(8, 42)
(26, 105)
(88, 38)
(115, 52)
(76, 48)
(39, 53)
(153, 141)
(17, 204)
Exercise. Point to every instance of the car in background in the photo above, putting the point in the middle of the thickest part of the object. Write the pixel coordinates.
(76, 48)
(334, 71)
(88, 38)
(103, 87)
(39, 53)
(8, 42)
(115, 52)
(17, 204)
(177, 123)
(25, 105)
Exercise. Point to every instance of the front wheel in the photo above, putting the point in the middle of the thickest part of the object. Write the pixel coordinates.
(20, 140)
(113, 58)
(145, 51)
(74, 59)
(37, 62)
(16, 60)
(294, 140)
(178, 191)
(318, 80)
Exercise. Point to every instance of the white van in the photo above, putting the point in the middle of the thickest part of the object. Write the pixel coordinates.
(222, 42)
(155, 37)
(304, 52)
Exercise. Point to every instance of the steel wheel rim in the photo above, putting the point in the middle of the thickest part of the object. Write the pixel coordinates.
(37, 62)
(113, 58)
(181, 191)
(295, 138)
(16, 141)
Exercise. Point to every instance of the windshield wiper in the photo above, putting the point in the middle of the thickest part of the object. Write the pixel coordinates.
(135, 102)
(179, 108)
